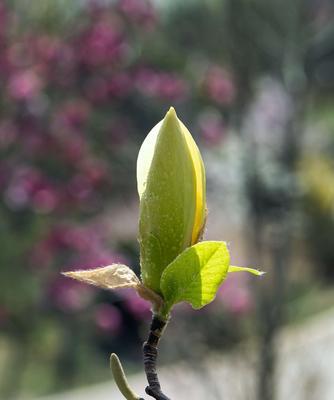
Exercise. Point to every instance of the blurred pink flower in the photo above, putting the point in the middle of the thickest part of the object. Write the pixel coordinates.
(102, 44)
(79, 187)
(38, 145)
(235, 294)
(45, 200)
(41, 255)
(24, 85)
(219, 86)
(78, 238)
(138, 307)
(22, 185)
(139, 11)
(212, 127)
(94, 170)
(4, 175)
(119, 85)
(96, 89)
(62, 70)
(8, 133)
(73, 147)
(118, 132)
(170, 87)
(20, 53)
(16, 197)
(47, 48)
(69, 295)
(27, 187)
(73, 114)
(84, 246)
(108, 318)
(95, 257)
(163, 85)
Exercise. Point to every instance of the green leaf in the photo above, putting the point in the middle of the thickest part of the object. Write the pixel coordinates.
(120, 379)
(253, 271)
(195, 275)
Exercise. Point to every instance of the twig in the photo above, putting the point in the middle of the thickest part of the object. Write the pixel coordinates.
(150, 351)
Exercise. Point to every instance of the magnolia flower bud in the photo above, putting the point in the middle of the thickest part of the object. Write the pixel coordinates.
(171, 187)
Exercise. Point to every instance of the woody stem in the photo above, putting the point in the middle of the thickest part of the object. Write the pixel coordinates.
(150, 352)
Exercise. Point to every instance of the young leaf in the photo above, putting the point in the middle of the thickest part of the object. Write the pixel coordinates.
(253, 271)
(121, 380)
(111, 277)
(195, 275)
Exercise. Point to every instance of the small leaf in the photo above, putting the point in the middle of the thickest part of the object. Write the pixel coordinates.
(253, 271)
(195, 275)
(111, 277)
(120, 379)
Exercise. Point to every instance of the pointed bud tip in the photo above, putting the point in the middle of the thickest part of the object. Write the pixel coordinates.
(170, 120)
(171, 114)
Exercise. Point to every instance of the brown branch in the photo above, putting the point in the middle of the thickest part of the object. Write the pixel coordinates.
(150, 351)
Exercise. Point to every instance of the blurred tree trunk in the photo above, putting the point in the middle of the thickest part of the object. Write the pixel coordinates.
(272, 221)
(268, 38)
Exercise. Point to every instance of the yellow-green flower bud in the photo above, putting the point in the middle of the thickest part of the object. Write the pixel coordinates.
(171, 187)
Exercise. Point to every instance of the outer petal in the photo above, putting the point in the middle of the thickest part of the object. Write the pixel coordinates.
(145, 157)
(144, 160)
(200, 213)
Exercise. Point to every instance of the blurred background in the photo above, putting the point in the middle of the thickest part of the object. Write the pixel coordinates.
(81, 84)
